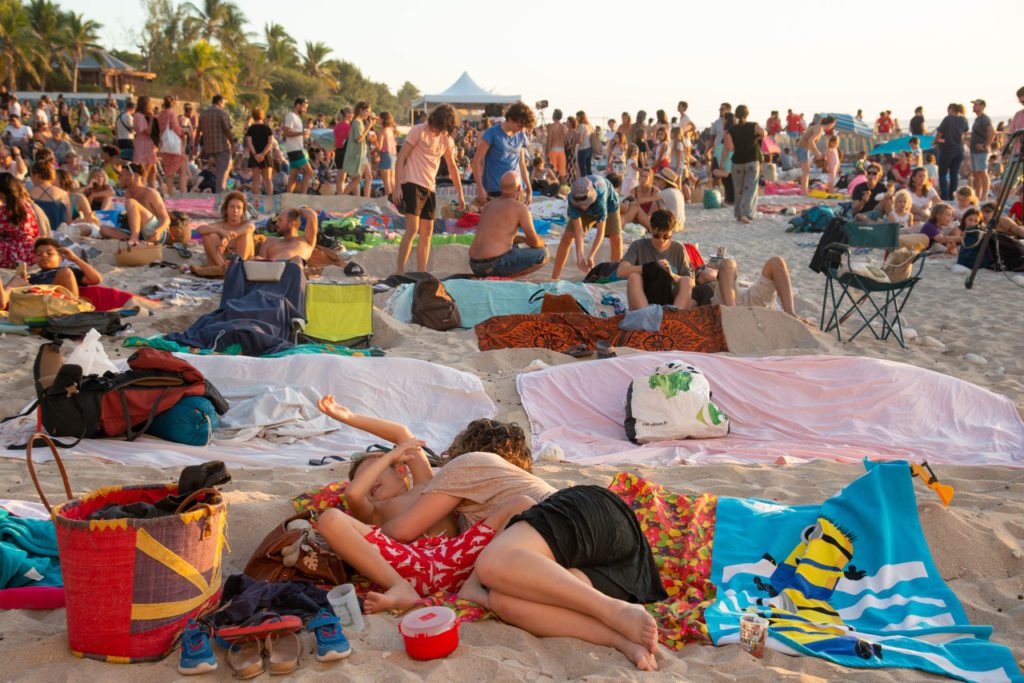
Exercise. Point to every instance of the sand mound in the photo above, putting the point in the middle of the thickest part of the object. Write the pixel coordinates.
(449, 259)
(759, 331)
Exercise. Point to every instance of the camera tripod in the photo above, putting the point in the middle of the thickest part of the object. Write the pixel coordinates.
(1011, 177)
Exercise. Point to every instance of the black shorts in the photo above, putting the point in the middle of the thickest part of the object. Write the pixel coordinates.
(253, 163)
(339, 155)
(127, 148)
(659, 287)
(591, 529)
(418, 201)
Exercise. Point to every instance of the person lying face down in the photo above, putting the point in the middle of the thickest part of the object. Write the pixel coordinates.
(497, 250)
(385, 486)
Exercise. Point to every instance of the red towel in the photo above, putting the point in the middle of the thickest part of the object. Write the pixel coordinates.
(105, 298)
(470, 219)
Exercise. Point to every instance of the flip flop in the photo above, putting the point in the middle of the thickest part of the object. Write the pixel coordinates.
(245, 658)
(259, 625)
(283, 651)
(580, 351)
(183, 251)
(352, 269)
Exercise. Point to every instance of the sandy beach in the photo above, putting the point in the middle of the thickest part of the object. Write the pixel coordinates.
(977, 544)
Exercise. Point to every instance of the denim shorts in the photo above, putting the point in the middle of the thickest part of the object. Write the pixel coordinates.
(387, 162)
(979, 161)
(802, 154)
(511, 263)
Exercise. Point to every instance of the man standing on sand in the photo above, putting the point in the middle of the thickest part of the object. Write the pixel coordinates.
(295, 147)
(917, 122)
(554, 145)
(686, 128)
(982, 135)
(497, 250)
(807, 147)
(502, 148)
(290, 245)
(217, 139)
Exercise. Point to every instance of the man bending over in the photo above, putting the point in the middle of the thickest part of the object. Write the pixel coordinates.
(497, 250)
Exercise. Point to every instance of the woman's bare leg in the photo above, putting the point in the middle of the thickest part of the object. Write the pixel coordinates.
(519, 563)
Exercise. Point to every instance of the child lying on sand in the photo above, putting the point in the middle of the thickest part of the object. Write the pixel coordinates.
(383, 487)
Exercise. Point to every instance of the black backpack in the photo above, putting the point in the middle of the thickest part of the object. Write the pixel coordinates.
(1007, 253)
(77, 325)
(433, 307)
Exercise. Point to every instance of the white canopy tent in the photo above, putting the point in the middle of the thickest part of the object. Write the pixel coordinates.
(463, 94)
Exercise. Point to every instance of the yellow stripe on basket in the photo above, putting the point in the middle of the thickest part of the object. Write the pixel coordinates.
(160, 553)
(103, 524)
(164, 610)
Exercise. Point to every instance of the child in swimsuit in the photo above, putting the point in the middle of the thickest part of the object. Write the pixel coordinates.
(381, 488)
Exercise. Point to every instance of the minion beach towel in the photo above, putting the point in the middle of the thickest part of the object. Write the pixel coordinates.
(851, 581)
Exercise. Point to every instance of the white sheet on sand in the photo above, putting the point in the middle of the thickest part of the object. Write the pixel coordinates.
(273, 403)
(783, 409)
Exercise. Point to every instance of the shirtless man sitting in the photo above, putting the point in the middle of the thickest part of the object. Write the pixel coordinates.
(232, 234)
(290, 244)
(144, 207)
(496, 250)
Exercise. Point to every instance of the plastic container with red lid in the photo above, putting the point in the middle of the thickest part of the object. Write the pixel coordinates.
(430, 632)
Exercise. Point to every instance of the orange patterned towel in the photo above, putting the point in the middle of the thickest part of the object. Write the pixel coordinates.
(698, 330)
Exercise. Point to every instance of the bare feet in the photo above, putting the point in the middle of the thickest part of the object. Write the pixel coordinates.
(399, 596)
(638, 654)
(637, 624)
(474, 591)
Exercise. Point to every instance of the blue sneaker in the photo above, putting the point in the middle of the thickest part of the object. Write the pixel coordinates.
(331, 643)
(196, 652)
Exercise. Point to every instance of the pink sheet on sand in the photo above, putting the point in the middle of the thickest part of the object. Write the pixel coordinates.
(783, 410)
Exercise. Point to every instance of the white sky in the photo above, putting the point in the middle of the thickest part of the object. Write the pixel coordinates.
(607, 57)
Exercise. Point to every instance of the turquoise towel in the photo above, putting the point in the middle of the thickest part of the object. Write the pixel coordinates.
(851, 581)
(28, 552)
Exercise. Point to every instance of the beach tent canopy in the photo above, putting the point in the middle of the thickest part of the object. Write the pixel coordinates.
(851, 125)
(466, 94)
(897, 145)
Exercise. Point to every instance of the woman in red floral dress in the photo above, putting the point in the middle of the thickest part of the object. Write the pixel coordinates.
(18, 226)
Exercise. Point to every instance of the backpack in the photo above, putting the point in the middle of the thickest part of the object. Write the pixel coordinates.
(712, 199)
(673, 402)
(77, 325)
(813, 219)
(433, 307)
(1007, 253)
(83, 406)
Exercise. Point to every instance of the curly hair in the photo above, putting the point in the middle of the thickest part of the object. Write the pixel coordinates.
(230, 197)
(443, 119)
(522, 114)
(506, 439)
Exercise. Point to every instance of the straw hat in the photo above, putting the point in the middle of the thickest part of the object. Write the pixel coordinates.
(667, 175)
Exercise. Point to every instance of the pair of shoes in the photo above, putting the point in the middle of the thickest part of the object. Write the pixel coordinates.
(278, 654)
(331, 643)
(196, 652)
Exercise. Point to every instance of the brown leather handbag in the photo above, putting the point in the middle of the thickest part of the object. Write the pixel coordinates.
(296, 555)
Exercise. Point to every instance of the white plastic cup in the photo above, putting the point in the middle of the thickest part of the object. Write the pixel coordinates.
(345, 603)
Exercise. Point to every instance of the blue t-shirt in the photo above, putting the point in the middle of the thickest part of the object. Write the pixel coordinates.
(606, 202)
(502, 156)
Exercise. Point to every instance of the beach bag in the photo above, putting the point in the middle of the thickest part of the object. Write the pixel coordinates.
(178, 230)
(40, 302)
(170, 142)
(190, 421)
(812, 219)
(712, 198)
(969, 250)
(298, 554)
(131, 585)
(1007, 253)
(674, 402)
(899, 263)
(80, 406)
(433, 306)
(77, 325)
(139, 255)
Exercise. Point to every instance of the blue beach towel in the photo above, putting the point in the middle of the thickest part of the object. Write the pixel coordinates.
(28, 552)
(851, 581)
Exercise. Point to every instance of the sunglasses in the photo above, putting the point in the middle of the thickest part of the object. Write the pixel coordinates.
(661, 235)
(874, 173)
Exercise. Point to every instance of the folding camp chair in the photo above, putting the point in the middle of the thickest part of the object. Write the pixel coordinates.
(339, 313)
(863, 293)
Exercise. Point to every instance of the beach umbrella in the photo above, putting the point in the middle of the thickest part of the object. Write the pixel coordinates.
(897, 145)
(852, 125)
(323, 137)
(768, 146)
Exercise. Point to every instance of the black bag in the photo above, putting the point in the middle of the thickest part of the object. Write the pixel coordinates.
(833, 234)
(433, 307)
(1007, 253)
(77, 325)
(602, 272)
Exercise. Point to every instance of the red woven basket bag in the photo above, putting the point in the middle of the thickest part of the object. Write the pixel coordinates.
(131, 585)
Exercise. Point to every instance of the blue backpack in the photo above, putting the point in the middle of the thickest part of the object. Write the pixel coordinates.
(814, 219)
(712, 199)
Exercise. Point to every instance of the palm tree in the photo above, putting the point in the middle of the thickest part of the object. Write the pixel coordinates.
(280, 47)
(80, 40)
(19, 45)
(47, 20)
(315, 62)
(206, 22)
(207, 69)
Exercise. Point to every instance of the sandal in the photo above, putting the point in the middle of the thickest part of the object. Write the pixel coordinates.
(245, 657)
(283, 651)
(580, 351)
(259, 625)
